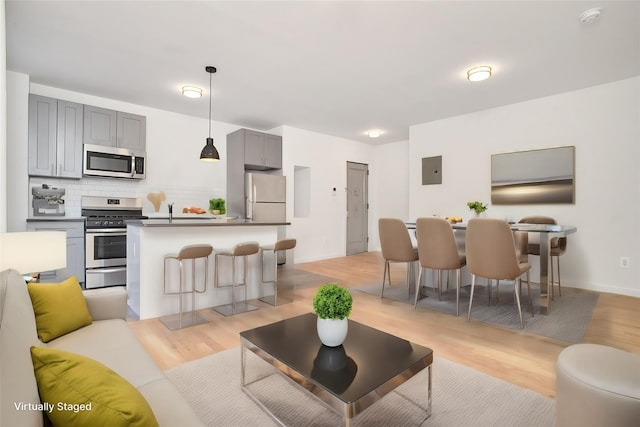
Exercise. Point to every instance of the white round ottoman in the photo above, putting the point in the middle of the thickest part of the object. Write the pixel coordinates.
(597, 385)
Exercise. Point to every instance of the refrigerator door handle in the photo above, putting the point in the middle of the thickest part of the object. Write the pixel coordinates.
(250, 201)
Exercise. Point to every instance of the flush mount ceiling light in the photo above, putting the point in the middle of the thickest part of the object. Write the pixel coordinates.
(374, 133)
(191, 91)
(477, 74)
(590, 16)
(209, 152)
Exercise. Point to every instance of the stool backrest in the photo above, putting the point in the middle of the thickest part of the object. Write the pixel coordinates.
(195, 251)
(246, 248)
(284, 244)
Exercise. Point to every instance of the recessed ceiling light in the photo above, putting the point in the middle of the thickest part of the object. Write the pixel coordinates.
(590, 16)
(374, 133)
(477, 74)
(191, 91)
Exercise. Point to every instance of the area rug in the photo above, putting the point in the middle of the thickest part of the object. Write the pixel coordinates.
(289, 277)
(461, 397)
(567, 320)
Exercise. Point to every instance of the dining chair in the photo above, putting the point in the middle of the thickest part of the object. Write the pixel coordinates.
(558, 247)
(396, 246)
(491, 253)
(438, 250)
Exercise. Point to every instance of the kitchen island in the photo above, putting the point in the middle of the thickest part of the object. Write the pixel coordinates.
(150, 240)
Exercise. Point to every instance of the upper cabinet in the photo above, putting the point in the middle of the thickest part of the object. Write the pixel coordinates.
(57, 130)
(261, 151)
(99, 126)
(114, 128)
(131, 131)
(55, 137)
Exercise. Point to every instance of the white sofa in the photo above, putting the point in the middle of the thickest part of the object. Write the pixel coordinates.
(107, 340)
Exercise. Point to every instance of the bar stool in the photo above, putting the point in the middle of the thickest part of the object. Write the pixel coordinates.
(240, 250)
(193, 253)
(280, 245)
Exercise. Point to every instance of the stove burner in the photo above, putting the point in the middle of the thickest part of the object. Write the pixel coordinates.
(104, 213)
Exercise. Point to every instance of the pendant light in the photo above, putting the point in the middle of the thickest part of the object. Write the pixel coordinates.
(209, 152)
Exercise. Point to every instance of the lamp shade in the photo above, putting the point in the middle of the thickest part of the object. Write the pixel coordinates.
(209, 152)
(33, 252)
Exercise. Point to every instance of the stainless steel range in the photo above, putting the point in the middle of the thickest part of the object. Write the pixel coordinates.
(106, 238)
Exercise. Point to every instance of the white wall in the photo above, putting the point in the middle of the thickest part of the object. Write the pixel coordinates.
(3, 121)
(322, 234)
(602, 122)
(16, 167)
(390, 186)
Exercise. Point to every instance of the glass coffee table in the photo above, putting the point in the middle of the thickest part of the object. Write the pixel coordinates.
(348, 378)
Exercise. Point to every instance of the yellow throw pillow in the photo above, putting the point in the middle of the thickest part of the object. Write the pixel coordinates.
(59, 308)
(78, 391)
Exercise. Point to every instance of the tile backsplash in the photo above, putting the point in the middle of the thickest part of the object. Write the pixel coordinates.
(105, 187)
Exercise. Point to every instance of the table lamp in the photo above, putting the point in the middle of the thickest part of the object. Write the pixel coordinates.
(33, 252)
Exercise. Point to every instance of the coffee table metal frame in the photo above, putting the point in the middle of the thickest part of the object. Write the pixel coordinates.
(348, 410)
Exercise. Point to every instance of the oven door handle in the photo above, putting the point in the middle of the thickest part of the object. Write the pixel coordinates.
(106, 270)
(106, 230)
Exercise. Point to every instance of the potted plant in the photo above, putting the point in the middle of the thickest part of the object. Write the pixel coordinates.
(217, 207)
(332, 304)
(477, 207)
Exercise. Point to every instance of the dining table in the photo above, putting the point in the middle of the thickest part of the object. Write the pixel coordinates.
(546, 232)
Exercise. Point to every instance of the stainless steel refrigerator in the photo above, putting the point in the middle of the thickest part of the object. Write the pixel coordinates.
(265, 197)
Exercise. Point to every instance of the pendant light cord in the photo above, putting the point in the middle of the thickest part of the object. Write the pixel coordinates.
(210, 96)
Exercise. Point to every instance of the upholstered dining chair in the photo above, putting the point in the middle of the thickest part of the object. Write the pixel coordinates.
(491, 253)
(396, 246)
(558, 247)
(438, 250)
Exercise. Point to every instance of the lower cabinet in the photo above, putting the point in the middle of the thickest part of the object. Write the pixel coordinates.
(75, 249)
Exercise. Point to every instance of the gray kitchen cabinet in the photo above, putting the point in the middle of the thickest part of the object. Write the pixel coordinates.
(114, 128)
(131, 131)
(273, 151)
(261, 151)
(75, 249)
(100, 126)
(55, 137)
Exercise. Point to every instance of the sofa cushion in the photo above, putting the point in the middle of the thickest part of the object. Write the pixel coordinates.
(111, 343)
(82, 391)
(60, 308)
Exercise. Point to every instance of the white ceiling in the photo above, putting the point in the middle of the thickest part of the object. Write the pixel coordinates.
(338, 68)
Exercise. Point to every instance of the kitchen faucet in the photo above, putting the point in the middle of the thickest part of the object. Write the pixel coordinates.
(170, 211)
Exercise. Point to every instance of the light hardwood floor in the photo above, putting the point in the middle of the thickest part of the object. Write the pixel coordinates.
(514, 356)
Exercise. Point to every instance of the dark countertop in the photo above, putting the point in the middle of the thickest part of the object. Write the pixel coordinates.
(56, 218)
(204, 222)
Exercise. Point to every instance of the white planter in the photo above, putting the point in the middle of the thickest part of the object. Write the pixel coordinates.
(332, 332)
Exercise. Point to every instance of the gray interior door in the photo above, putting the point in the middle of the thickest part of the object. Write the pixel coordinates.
(357, 208)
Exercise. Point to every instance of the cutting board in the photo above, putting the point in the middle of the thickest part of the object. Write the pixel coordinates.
(156, 199)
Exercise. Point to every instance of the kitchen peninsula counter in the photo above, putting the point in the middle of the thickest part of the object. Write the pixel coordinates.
(199, 222)
(150, 240)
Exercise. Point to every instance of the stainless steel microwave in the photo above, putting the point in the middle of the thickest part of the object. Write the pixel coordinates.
(113, 162)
